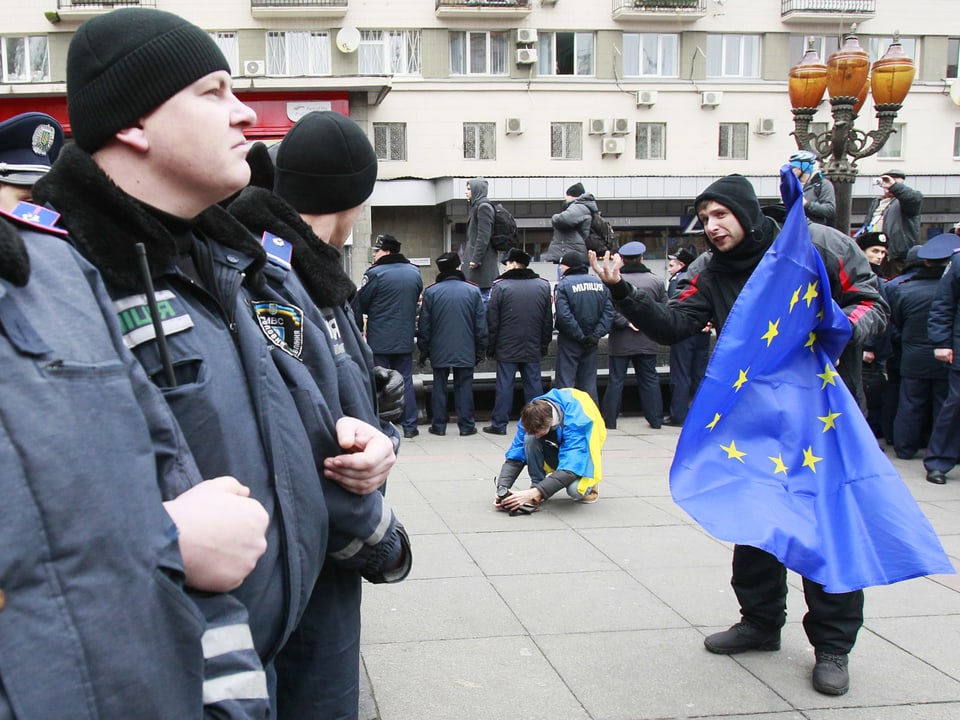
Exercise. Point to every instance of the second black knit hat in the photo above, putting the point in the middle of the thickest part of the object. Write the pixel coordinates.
(325, 164)
(124, 64)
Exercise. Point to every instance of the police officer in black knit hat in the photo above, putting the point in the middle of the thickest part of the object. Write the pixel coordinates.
(739, 234)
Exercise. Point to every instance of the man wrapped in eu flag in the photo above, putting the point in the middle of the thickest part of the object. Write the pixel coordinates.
(775, 454)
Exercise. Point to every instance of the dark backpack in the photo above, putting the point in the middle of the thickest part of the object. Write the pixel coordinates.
(601, 237)
(504, 235)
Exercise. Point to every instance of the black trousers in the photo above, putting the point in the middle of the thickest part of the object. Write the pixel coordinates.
(760, 582)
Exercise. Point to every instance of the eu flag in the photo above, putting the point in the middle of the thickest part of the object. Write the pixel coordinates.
(775, 452)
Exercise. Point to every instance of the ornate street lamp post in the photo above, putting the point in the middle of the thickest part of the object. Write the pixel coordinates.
(847, 77)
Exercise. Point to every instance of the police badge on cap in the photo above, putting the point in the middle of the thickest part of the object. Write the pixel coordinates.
(29, 143)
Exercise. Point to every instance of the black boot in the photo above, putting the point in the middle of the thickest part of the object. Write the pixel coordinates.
(742, 637)
(830, 675)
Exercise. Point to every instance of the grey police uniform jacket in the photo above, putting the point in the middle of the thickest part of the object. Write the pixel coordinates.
(519, 316)
(452, 328)
(623, 340)
(388, 297)
(232, 400)
(943, 323)
(96, 623)
(583, 306)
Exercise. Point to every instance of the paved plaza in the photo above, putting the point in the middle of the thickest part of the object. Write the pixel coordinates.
(598, 612)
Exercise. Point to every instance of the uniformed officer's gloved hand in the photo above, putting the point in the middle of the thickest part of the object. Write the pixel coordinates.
(389, 393)
(590, 341)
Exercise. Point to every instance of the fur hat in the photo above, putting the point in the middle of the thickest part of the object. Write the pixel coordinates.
(684, 256)
(573, 259)
(387, 242)
(124, 64)
(325, 164)
(518, 256)
(872, 239)
(448, 262)
(575, 190)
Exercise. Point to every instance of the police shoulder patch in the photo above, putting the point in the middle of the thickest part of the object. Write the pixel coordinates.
(136, 322)
(282, 324)
(279, 251)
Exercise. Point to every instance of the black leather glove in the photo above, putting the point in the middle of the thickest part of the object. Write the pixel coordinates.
(389, 393)
(590, 341)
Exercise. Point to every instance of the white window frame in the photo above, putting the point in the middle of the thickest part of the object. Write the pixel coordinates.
(646, 137)
(495, 49)
(640, 50)
(566, 140)
(30, 46)
(824, 45)
(390, 52)
(390, 141)
(482, 135)
(953, 58)
(877, 45)
(584, 54)
(894, 147)
(293, 43)
(732, 133)
(733, 55)
(226, 40)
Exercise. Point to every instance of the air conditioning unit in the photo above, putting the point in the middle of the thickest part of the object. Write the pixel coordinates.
(646, 97)
(254, 68)
(621, 126)
(526, 56)
(766, 126)
(514, 126)
(613, 146)
(710, 99)
(599, 126)
(526, 35)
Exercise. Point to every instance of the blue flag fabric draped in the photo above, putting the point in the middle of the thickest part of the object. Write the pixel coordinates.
(775, 452)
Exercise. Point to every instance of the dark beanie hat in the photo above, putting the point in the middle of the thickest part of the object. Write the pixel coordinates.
(518, 256)
(387, 242)
(261, 166)
(448, 261)
(124, 64)
(576, 190)
(736, 193)
(325, 164)
(573, 259)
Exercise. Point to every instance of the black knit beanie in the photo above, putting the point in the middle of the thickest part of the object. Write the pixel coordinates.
(325, 164)
(735, 192)
(124, 64)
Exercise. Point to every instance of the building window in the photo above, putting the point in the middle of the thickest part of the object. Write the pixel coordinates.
(825, 45)
(733, 141)
(650, 55)
(24, 59)
(565, 53)
(389, 52)
(227, 42)
(566, 140)
(390, 141)
(733, 56)
(651, 141)
(893, 148)
(478, 53)
(956, 141)
(298, 53)
(877, 46)
(479, 141)
(953, 57)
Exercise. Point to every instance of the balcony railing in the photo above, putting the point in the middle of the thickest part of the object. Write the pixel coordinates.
(483, 8)
(303, 4)
(85, 5)
(654, 9)
(299, 8)
(482, 3)
(828, 9)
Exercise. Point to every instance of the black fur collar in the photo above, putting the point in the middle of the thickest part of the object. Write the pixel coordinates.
(317, 264)
(519, 274)
(391, 259)
(14, 261)
(451, 275)
(105, 223)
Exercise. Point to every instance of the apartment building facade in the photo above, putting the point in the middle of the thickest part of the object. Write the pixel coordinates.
(644, 101)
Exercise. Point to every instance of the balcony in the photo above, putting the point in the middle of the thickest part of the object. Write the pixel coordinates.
(299, 8)
(828, 11)
(83, 10)
(655, 10)
(483, 8)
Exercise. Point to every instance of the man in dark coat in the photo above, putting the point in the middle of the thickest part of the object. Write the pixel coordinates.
(628, 344)
(819, 197)
(452, 334)
(479, 255)
(584, 314)
(388, 296)
(520, 325)
(923, 379)
(739, 234)
(688, 357)
(896, 213)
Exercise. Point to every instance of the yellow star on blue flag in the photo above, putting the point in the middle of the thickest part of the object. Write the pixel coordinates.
(831, 507)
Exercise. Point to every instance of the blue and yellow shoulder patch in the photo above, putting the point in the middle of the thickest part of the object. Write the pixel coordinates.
(282, 324)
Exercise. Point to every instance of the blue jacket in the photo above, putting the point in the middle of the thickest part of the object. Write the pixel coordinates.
(452, 329)
(519, 317)
(232, 400)
(943, 324)
(96, 622)
(583, 306)
(909, 312)
(625, 341)
(388, 297)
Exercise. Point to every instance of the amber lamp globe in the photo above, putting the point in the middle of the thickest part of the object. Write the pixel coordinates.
(892, 76)
(847, 69)
(807, 81)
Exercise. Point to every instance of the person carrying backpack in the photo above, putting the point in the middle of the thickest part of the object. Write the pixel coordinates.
(571, 226)
(480, 263)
